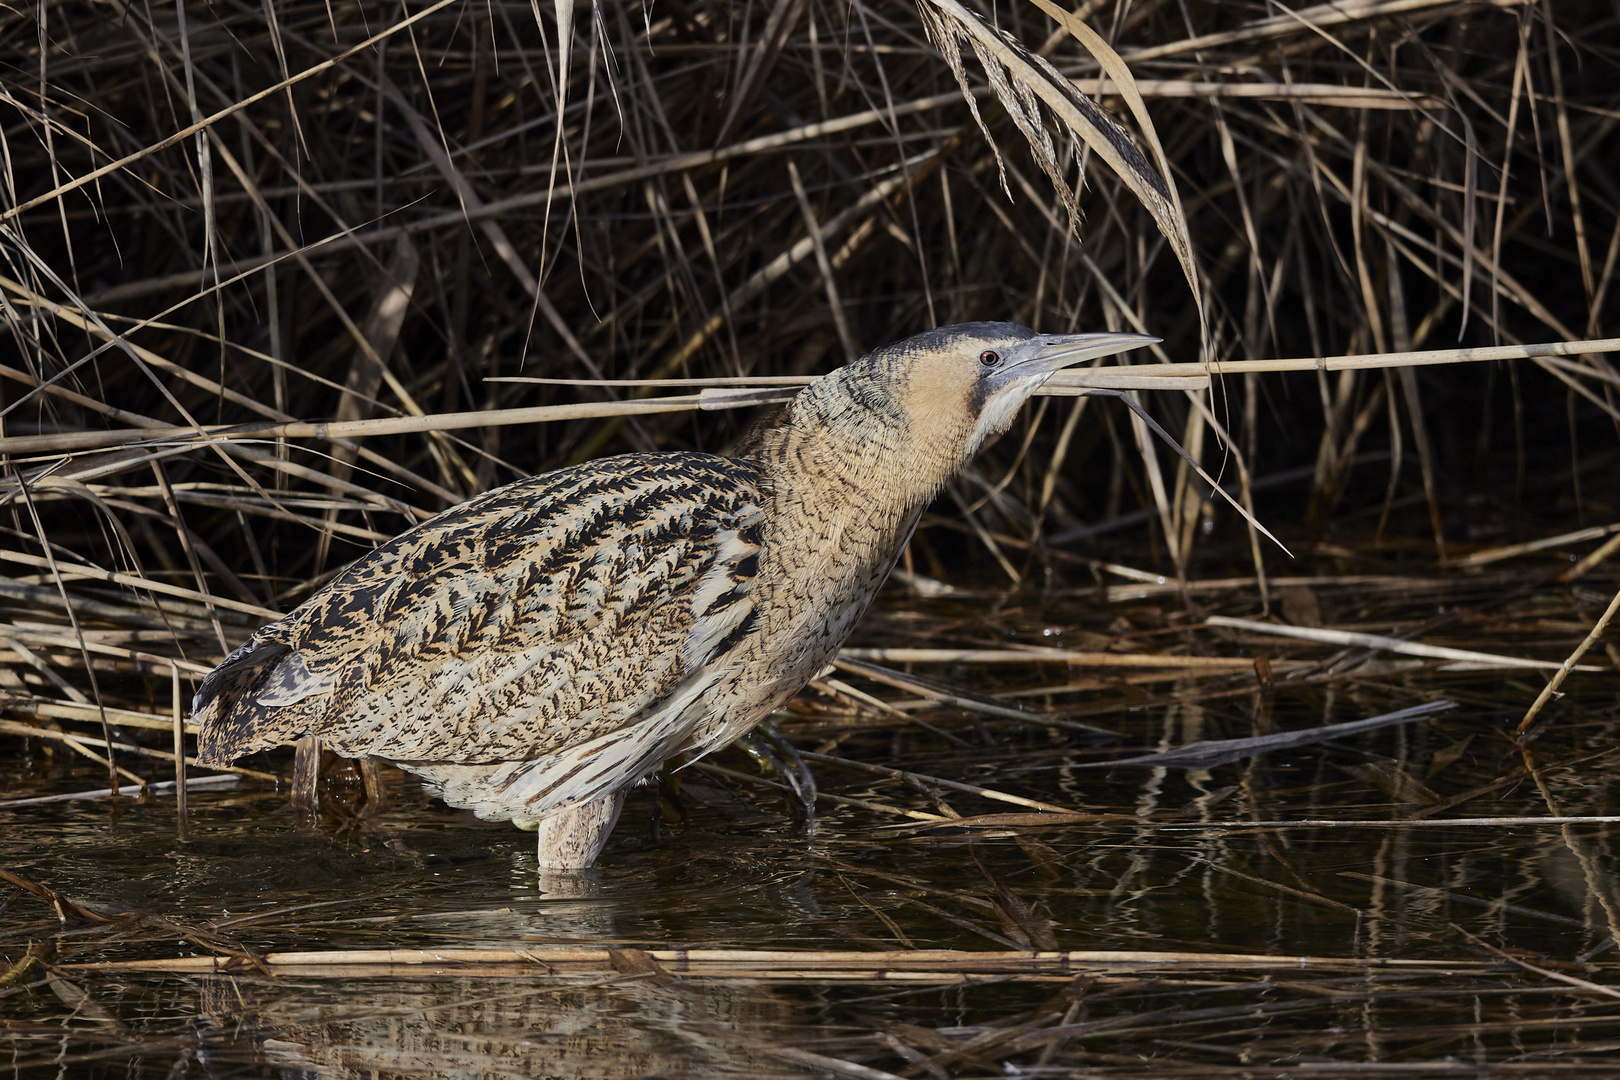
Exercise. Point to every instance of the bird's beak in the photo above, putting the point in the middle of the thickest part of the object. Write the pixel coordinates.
(1046, 353)
(1026, 366)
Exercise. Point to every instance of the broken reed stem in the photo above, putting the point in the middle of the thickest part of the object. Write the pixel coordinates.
(343, 429)
(79, 571)
(1568, 665)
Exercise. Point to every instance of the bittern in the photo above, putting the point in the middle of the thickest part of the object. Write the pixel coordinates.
(538, 650)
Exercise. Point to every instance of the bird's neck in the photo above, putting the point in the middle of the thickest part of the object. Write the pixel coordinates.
(840, 440)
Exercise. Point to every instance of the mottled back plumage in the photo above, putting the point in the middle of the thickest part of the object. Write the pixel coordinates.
(533, 616)
(532, 653)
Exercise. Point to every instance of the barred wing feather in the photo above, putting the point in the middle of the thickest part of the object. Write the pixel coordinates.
(533, 618)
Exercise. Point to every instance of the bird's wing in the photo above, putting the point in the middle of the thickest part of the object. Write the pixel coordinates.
(532, 618)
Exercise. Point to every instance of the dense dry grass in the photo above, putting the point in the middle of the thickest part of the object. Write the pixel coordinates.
(385, 214)
(739, 190)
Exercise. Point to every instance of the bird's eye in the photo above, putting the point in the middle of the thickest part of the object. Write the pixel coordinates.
(989, 358)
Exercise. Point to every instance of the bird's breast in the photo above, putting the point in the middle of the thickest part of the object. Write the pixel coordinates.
(825, 555)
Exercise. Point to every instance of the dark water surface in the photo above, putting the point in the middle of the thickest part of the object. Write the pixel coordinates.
(1513, 920)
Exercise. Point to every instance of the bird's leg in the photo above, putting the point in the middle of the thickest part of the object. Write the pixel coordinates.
(573, 837)
(372, 779)
(775, 754)
(306, 778)
(797, 772)
(668, 807)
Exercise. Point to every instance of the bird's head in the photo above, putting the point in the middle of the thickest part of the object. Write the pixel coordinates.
(969, 380)
(937, 396)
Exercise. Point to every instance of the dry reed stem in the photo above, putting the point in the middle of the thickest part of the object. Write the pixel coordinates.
(1388, 644)
(164, 787)
(1569, 665)
(1068, 657)
(908, 965)
(1582, 568)
(78, 742)
(841, 800)
(202, 124)
(1483, 822)
(954, 785)
(1164, 376)
(1557, 976)
(1510, 551)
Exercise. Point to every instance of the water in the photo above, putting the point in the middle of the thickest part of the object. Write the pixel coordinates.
(1516, 920)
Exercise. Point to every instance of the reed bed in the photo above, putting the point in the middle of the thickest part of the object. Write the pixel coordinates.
(283, 281)
(279, 281)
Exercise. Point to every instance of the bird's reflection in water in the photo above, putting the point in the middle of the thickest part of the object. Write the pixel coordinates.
(568, 885)
(585, 1026)
(574, 904)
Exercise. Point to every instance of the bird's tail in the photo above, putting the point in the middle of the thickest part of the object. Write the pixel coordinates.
(231, 718)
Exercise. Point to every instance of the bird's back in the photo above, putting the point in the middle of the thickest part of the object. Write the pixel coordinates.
(535, 617)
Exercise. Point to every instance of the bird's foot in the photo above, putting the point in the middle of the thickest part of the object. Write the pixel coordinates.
(776, 755)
